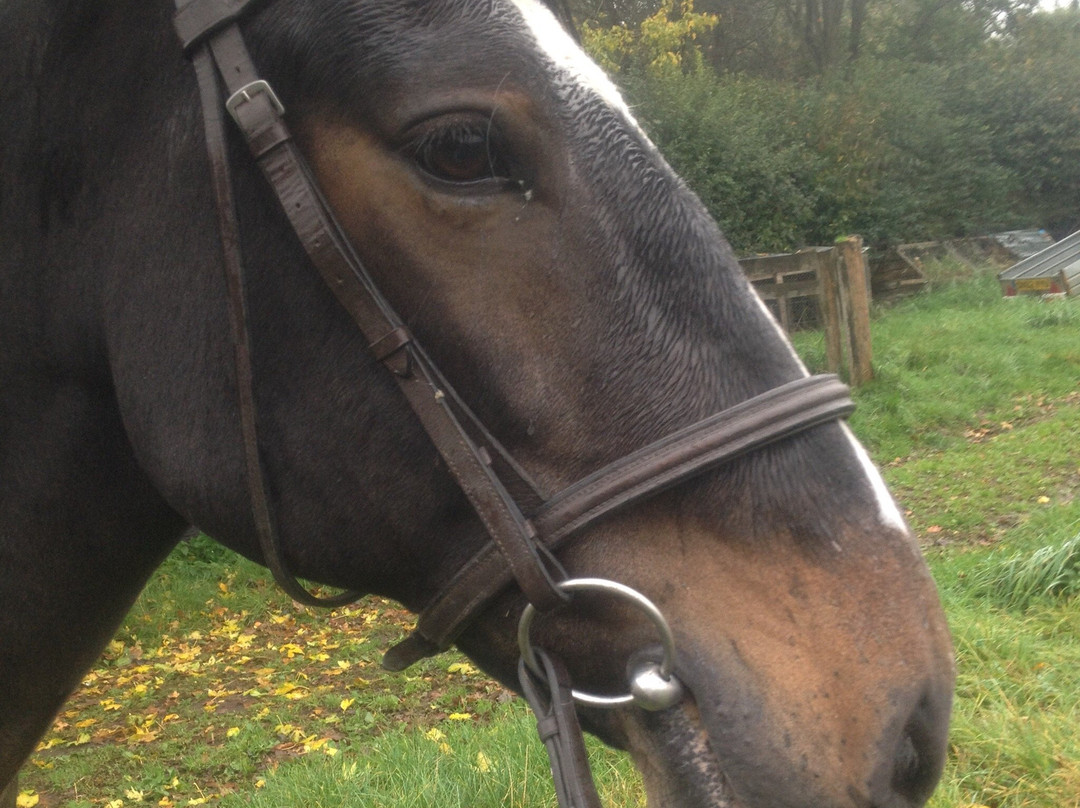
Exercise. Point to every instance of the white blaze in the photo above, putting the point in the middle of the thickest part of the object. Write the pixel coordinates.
(567, 55)
(887, 508)
(570, 60)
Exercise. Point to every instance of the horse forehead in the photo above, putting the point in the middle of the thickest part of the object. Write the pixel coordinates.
(565, 56)
(486, 40)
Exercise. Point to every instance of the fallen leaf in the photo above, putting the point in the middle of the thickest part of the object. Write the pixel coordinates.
(483, 763)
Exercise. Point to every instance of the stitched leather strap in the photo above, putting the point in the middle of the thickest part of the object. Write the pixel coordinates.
(259, 115)
(195, 20)
(265, 523)
(769, 417)
(559, 729)
(521, 549)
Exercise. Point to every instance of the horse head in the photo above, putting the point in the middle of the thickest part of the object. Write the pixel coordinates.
(583, 304)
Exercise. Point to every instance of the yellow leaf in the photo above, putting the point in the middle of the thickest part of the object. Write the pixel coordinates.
(224, 587)
(435, 734)
(232, 732)
(1043, 500)
(26, 799)
(346, 704)
(134, 794)
(483, 763)
(459, 717)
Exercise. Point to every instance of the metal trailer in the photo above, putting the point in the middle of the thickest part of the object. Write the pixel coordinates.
(1052, 271)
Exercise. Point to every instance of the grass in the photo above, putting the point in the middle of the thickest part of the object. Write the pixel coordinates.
(1013, 740)
(499, 766)
(1020, 580)
(219, 690)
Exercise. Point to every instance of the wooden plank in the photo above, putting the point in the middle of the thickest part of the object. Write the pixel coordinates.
(807, 288)
(830, 311)
(855, 293)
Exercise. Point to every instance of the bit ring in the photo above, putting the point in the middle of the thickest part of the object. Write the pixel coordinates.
(620, 592)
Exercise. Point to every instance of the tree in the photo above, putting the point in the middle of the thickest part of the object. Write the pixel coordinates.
(665, 41)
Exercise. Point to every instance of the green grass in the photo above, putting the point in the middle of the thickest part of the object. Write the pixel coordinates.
(500, 765)
(219, 689)
(960, 360)
(1013, 740)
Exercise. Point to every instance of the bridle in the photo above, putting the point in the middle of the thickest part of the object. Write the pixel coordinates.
(525, 527)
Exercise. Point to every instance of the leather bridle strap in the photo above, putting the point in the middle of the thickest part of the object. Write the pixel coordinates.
(521, 548)
(258, 113)
(263, 513)
(551, 700)
(776, 414)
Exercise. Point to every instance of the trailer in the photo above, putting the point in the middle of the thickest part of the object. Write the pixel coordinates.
(1052, 271)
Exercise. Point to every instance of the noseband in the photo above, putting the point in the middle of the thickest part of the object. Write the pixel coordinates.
(525, 528)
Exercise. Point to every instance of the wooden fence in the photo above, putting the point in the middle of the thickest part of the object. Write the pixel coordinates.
(822, 287)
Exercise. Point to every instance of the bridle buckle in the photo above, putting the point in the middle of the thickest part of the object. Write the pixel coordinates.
(248, 92)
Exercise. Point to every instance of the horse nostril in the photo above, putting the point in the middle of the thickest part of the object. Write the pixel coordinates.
(919, 756)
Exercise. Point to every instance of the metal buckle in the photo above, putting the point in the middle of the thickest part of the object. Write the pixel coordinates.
(248, 92)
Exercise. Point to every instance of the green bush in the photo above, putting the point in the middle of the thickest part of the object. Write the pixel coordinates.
(894, 148)
(782, 166)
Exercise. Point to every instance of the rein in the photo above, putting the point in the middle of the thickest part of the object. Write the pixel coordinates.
(525, 529)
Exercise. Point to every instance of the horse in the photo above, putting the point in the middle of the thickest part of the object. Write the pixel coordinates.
(564, 283)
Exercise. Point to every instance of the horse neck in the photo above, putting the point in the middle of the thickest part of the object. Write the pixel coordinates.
(81, 82)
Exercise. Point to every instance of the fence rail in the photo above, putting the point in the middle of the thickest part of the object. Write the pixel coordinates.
(822, 287)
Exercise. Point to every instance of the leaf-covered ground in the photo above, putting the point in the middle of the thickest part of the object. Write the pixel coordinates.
(187, 715)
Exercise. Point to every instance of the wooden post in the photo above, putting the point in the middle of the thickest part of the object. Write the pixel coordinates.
(845, 307)
(829, 300)
(855, 308)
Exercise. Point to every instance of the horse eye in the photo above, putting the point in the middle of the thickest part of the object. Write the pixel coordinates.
(461, 153)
